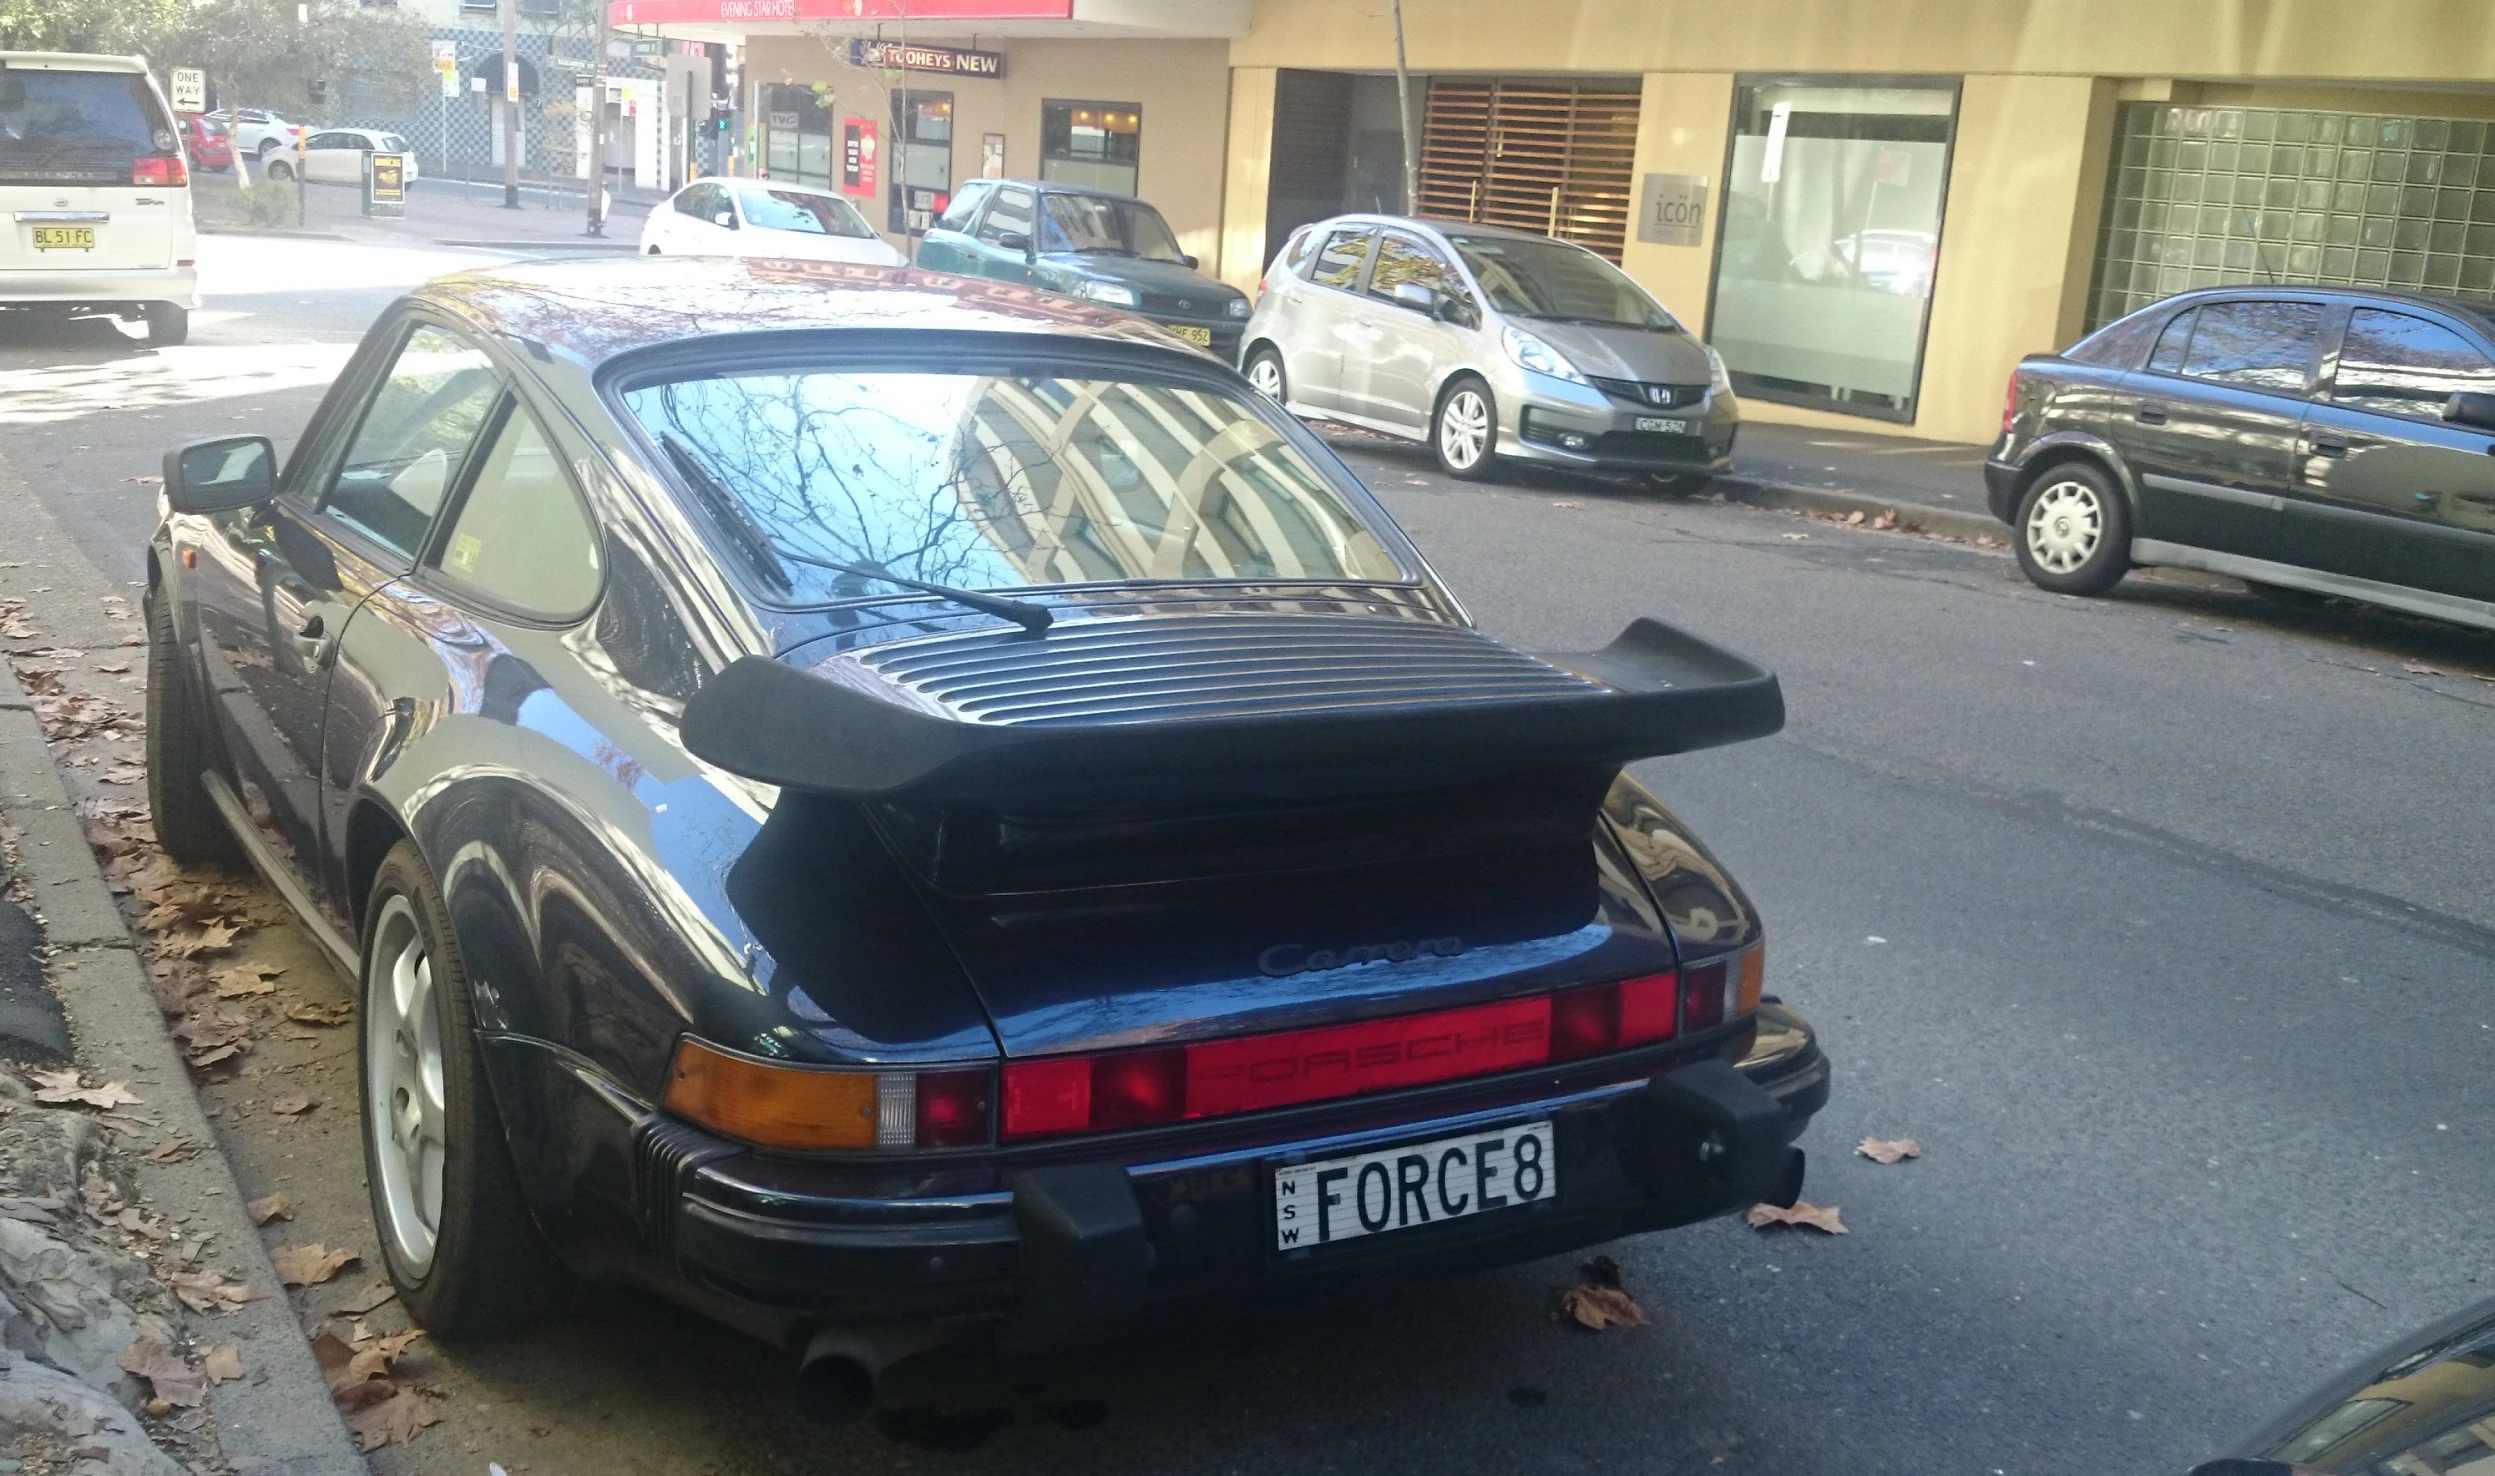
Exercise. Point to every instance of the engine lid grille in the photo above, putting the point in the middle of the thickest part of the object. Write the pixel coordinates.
(1210, 666)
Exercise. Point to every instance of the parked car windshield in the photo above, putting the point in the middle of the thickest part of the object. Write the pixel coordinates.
(990, 481)
(1546, 279)
(795, 210)
(1110, 226)
(66, 126)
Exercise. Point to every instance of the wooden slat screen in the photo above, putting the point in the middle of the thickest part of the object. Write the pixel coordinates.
(1546, 156)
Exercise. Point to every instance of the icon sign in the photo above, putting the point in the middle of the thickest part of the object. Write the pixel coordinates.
(190, 90)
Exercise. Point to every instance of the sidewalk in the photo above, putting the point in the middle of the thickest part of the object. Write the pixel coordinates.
(444, 213)
(1937, 486)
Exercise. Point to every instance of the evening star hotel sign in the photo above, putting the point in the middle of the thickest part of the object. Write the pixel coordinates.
(881, 54)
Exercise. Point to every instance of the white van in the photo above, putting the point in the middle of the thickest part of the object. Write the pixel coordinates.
(95, 196)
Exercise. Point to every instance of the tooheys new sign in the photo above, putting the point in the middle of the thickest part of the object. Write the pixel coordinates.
(747, 12)
(882, 54)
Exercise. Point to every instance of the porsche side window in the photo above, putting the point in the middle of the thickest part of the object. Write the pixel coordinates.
(414, 440)
(520, 537)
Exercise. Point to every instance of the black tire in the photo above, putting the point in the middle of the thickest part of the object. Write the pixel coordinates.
(167, 323)
(1267, 360)
(188, 825)
(654, 251)
(1467, 415)
(489, 1269)
(1678, 484)
(276, 168)
(2073, 534)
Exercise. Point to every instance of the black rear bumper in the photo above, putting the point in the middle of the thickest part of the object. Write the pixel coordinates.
(1070, 1252)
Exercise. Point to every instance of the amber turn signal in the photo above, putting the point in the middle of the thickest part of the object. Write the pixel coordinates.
(772, 1106)
(1753, 979)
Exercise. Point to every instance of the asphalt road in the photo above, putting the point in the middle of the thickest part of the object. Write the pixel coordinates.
(2165, 922)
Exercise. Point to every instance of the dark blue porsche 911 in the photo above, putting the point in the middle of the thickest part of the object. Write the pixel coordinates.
(897, 809)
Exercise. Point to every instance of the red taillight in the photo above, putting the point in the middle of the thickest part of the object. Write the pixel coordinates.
(953, 1108)
(2010, 405)
(1702, 996)
(168, 171)
(1216, 1078)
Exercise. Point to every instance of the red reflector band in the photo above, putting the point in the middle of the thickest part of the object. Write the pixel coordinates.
(1649, 1007)
(1048, 1096)
(1225, 1076)
(1702, 996)
(159, 172)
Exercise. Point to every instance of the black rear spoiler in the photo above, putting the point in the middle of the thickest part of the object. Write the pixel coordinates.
(1657, 690)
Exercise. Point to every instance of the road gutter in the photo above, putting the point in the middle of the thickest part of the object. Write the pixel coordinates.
(278, 1418)
(1912, 517)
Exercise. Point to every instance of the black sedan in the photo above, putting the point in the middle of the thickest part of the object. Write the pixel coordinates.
(893, 808)
(2425, 1406)
(2308, 441)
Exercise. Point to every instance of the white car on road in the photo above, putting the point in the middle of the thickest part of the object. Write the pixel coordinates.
(257, 132)
(95, 198)
(336, 155)
(757, 217)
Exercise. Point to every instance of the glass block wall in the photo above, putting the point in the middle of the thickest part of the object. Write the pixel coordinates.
(2212, 196)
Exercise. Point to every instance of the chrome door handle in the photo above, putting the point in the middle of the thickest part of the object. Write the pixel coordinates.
(2329, 445)
(2151, 414)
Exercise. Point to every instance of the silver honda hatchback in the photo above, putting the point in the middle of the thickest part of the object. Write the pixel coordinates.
(1487, 343)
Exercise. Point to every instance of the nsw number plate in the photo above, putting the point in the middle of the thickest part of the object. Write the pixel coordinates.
(1667, 427)
(1337, 1199)
(64, 238)
(1202, 337)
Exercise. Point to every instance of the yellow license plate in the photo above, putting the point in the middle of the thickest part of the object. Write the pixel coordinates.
(1200, 336)
(64, 238)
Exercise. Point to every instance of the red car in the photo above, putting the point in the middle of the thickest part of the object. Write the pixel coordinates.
(207, 142)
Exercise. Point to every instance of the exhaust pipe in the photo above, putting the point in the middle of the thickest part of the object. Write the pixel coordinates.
(842, 1367)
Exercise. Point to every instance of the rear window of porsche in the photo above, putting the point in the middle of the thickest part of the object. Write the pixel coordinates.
(65, 127)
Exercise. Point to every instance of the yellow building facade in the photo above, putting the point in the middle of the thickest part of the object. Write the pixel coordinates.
(1872, 207)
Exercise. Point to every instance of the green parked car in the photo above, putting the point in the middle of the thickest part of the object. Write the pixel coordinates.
(1085, 243)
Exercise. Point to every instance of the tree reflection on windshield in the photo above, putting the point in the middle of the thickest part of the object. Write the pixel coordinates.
(986, 482)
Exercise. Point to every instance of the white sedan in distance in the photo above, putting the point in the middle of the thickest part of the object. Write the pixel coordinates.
(336, 155)
(753, 217)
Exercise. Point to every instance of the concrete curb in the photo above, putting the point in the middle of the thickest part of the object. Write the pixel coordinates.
(558, 243)
(277, 1420)
(283, 232)
(1912, 516)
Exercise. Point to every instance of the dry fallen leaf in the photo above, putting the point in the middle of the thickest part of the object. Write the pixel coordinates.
(1793, 537)
(292, 1105)
(62, 1086)
(310, 1265)
(2419, 667)
(1817, 1216)
(393, 1421)
(174, 1381)
(272, 1207)
(1568, 504)
(222, 1364)
(211, 1291)
(216, 937)
(1854, 517)
(172, 1150)
(1598, 1307)
(319, 1014)
(114, 668)
(243, 979)
(1889, 1150)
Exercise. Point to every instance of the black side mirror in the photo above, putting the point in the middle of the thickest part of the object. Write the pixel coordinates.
(1014, 241)
(2471, 408)
(221, 475)
(1187, 261)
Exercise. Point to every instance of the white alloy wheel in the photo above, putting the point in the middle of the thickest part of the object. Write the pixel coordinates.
(1264, 375)
(2064, 526)
(405, 1109)
(1464, 428)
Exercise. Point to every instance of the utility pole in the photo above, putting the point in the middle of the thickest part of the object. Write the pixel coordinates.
(597, 125)
(510, 104)
(1403, 105)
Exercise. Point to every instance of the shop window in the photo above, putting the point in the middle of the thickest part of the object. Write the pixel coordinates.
(2215, 197)
(1831, 234)
(920, 165)
(1096, 145)
(796, 135)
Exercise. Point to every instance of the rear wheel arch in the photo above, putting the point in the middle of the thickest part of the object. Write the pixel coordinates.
(371, 833)
(2096, 458)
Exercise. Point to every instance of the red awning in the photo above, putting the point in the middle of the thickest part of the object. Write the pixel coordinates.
(738, 12)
